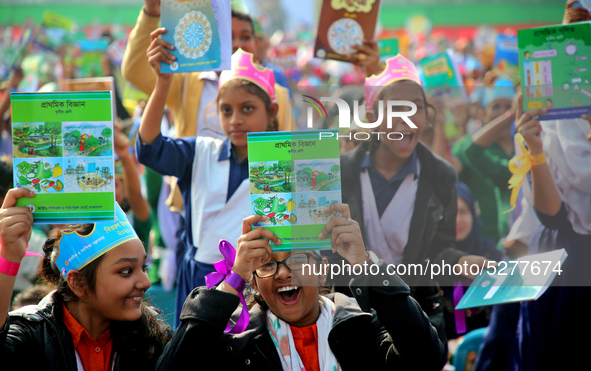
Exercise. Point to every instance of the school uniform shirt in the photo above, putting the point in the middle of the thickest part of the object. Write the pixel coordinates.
(385, 189)
(212, 182)
(306, 343)
(95, 355)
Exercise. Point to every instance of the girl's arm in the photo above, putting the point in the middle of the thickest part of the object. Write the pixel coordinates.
(15, 232)
(163, 155)
(152, 117)
(547, 200)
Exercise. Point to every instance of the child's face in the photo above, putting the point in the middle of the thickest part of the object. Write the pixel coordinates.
(464, 220)
(242, 36)
(407, 91)
(121, 281)
(241, 113)
(298, 307)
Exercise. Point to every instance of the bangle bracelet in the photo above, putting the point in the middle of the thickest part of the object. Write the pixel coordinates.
(8, 268)
(235, 281)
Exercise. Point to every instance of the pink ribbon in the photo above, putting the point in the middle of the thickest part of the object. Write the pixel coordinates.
(222, 269)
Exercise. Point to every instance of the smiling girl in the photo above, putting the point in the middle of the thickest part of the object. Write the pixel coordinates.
(96, 319)
(293, 327)
(403, 195)
(212, 173)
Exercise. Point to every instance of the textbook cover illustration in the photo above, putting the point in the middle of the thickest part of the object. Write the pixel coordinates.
(63, 151)
(554, 68)
(294, 177)
(441, 78)
(526, 278)
(345, 23)
(192, 27)
(507, 57)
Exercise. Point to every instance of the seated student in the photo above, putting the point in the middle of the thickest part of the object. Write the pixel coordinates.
(96, 319)
(293, 327)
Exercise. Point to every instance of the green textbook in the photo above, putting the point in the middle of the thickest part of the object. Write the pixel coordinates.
(294, 177)
(554, 68)
(62, 145)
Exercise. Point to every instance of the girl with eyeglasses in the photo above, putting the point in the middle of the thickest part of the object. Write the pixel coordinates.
(292, 326)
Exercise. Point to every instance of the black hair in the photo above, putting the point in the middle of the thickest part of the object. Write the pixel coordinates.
(253, 89)
(243, 17)
(143, 339)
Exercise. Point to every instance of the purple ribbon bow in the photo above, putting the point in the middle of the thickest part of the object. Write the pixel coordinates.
(222, 269)
(460, 315)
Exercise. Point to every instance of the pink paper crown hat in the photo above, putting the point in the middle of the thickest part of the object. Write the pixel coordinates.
(397, 68)
(244, 68)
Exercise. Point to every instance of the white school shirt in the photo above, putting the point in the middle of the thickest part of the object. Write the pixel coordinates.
(212, 217)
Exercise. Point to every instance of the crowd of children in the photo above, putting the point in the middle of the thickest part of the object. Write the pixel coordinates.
(429, 198)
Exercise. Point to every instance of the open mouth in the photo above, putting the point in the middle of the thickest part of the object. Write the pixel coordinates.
(289, 294)
(407, 138)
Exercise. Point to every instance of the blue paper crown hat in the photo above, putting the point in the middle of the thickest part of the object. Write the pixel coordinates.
(503, 88)
(77, 251)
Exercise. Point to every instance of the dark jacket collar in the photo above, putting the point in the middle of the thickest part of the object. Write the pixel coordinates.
(436, 178)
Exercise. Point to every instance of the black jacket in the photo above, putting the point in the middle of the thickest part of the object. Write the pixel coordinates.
(432, 232)
(35, 338)
(387, 330)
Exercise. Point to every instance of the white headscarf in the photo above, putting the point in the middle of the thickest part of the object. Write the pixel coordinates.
(568, 154)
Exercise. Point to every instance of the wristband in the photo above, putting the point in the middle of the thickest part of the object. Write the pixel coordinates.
(236, 281)
(8, 268)
(538, 159)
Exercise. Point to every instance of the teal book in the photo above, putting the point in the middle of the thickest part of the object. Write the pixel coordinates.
(294, 177)
(442, 79)
(192, 27)
(524, 279)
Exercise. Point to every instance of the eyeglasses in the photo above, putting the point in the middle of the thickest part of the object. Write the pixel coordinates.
(294, 262)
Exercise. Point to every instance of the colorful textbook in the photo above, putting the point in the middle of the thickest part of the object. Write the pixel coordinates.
(294, 177)
(63, 151)
(344, 23)
(555, 74)
(441, 78)
(526, 278)
(200, 32)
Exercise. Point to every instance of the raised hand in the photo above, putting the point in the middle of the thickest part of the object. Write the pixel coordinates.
(252, 249)
(345, 235)
(528, 125)
(15, 226)
(368, 57)
(158, 52)
(152, 7)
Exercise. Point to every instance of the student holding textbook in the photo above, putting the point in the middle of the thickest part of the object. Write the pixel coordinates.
(212, 173)
(190, 93)
(292, 326)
